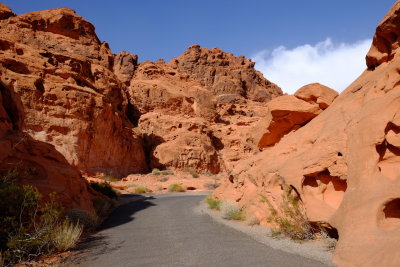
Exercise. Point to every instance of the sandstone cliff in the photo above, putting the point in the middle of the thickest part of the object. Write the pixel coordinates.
(108, 113)
(68, 93)
(199, 109)
(38, 163)
(343, 163)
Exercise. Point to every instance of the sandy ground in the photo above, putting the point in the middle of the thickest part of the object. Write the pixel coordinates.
(161, 182)
(316, 250)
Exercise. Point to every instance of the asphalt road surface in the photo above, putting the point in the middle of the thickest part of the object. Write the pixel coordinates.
(164, 230)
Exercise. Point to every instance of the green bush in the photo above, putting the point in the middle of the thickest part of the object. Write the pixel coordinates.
(109, 177)
(167, 172)
(163, 179)
(29, 226)
(289, 217)
(141, 190)
(231, 212)
(156, 171)
(176, 188)
(193, 172)
(213, 204)
(105, 188)
(208, 174)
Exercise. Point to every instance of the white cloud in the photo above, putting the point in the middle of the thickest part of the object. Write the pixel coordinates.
(334, 65)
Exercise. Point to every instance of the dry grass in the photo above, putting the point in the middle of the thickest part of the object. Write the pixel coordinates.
(213, 204)
(289, 217)
(141, 190)
(66, 235)
(253, 220)
(211, 186)
(176, 188)
(231, 212)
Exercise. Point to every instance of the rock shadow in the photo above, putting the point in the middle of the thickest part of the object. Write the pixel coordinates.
(99, 243)
(123, 214)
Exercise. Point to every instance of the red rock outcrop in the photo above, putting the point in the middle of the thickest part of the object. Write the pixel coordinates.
(343, 163)
(195, 110)
(316, 93)
(223, 73)
(290, 112)
(38, 163)
(70, 96)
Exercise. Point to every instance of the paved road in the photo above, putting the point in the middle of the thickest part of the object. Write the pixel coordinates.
(166, 231)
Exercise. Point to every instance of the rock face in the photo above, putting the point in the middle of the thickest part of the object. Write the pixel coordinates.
(38, 163)
(69, 94)
(198, 110)
(109, 114)
(222, 73)
(343, 163)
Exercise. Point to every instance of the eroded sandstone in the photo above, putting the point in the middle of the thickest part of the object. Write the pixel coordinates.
(343, 163)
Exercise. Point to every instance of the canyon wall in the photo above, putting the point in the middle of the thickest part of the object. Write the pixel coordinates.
(344, 164)
(68, 92)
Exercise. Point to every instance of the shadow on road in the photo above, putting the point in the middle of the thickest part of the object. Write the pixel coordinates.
(97, 244)
(123, 214)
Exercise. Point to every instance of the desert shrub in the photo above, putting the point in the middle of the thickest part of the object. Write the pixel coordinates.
(231, 212)
(102, 206)
(109, 177)
(176, 188)
(253, 220)
(156, 171)
(213, 204)
(86, 219)
(167, 172)
(29, 226)
(289, 217)
(208, 174)
(141, 190)
(104, 188)
(211, 186)
(66, 235)
(163, 179)
(193, 172)
(159, 188)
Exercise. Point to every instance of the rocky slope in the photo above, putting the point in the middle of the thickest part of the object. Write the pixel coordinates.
(344, 164)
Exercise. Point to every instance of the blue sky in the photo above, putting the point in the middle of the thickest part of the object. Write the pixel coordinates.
(253, 28)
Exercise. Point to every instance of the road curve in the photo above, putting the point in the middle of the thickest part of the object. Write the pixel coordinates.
(164, 230)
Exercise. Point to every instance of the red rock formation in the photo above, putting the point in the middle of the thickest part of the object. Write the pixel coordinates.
(288, 113)
(187, 109)
(222, 73)
(316, 93)
(343, 163)
(70, 96)
(38, 163)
